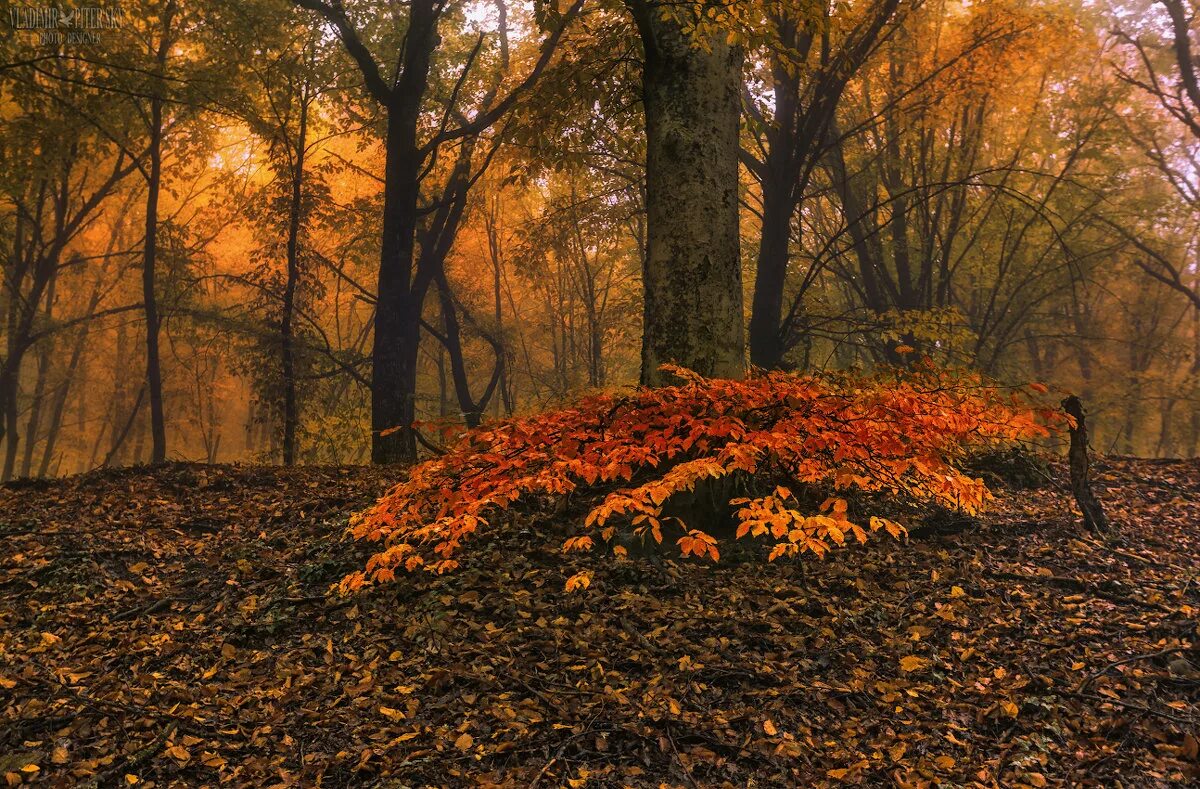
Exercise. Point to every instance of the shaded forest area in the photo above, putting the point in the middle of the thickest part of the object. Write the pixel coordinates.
(173, 625)
(266, 231)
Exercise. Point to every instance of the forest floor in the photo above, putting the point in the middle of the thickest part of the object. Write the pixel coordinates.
(172, 627)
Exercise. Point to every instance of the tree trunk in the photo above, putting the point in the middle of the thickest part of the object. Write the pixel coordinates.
(1081, 485)
(286, 327)
(397, 317)
(491, 225)
(158, 452)
(35, 410)
(8, 396)
(60, 400)
(401, 290)
(766, 311)
(692, 271)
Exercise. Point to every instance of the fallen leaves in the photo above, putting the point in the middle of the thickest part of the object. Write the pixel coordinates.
(915, 668)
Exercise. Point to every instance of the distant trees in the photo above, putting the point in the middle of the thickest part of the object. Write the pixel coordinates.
(1162, 64)
(406, 271)
(248, 229)
(57, 176)
(805, 69)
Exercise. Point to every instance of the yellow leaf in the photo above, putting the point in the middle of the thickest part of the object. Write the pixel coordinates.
(839, 773)
(897, 751)
(179, 752)
(769, 727)
(210, 759)
(388, 712)
(956, 591)
(30, 768)
(59, 755)
(464, 741)
(131, 779)
(945, 762)
(912, 663)
(579, 581)
(1010, 709)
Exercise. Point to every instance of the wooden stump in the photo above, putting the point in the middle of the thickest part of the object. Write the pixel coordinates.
(1081, 483)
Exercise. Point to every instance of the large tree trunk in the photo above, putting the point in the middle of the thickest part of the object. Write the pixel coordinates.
(692, 271)
(397, 317)
(401, 290)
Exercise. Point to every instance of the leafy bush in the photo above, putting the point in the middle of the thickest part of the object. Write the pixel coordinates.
(896, 434)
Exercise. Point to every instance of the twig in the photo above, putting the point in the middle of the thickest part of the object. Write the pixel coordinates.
(1080, 585)
(686, 770)
(1141, 707)
(138, 757)
(533, 784)
(1148, 656)
(153, 607)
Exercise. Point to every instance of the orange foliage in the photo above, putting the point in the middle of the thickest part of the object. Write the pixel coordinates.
(897, 434)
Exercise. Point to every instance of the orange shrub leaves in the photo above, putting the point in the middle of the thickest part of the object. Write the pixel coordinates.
(897, 434)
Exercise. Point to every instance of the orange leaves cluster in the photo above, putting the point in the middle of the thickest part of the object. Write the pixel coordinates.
(899, 435)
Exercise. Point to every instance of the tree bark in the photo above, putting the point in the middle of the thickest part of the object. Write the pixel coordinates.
(692, 270)
(286, 328)
(401, 294)
(397, 315)
(35, 409)
(158, 430)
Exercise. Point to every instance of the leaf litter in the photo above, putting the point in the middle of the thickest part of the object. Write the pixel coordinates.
(174, 627)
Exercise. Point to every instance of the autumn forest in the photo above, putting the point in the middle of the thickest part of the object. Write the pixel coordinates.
(600, 393)
(253, 231)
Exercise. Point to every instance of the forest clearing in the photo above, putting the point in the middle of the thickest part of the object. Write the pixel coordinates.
(173, 625)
